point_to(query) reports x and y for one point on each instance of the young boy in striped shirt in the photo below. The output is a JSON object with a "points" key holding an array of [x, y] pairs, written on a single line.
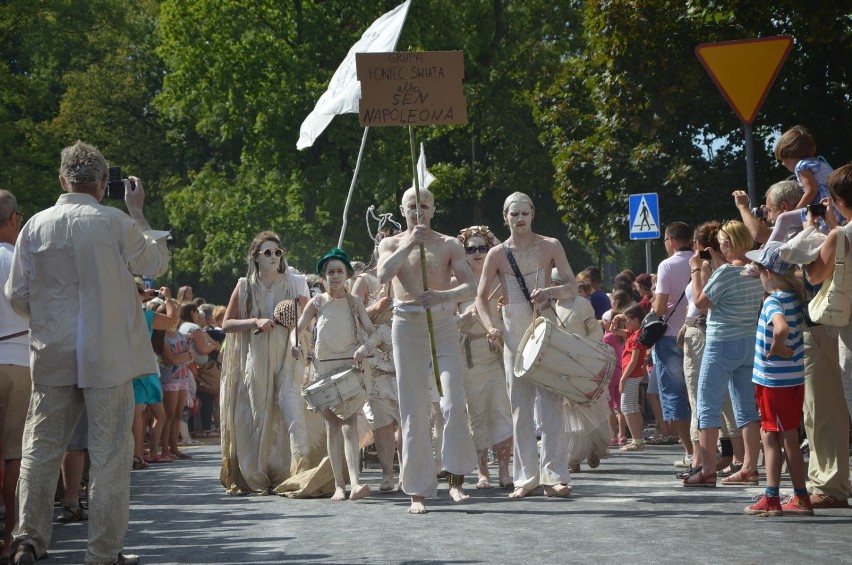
{"points": [[779, 377]]}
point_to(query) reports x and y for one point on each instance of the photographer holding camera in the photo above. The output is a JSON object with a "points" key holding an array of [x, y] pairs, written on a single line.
{"points": [[781, 197], [88, 341]]}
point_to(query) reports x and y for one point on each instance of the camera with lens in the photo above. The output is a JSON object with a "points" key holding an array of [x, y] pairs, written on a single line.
{"points": [[816, 209], [115, 184], [759, 212], [160, 295]]}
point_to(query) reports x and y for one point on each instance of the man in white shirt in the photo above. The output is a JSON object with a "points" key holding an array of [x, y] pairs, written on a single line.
{"points": [[88, 340], [15, 383], [669, 302]]}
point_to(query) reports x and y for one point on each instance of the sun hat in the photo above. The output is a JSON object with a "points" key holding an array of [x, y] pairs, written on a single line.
{"points": [[770, 258], [339, 255]]}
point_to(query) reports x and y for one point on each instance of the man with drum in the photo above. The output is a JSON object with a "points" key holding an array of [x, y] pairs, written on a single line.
{"points": [[400, 263], [523, 264]]}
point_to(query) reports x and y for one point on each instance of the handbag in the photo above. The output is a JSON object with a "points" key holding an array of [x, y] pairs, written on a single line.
{"points": [[654, 327], [831, 305]]}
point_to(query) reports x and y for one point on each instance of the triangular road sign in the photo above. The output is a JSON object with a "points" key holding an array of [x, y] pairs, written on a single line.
{"points": [[744, 70]]}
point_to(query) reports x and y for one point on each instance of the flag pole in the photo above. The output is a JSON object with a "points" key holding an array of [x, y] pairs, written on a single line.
{"points": [[434, 350], [352, 189]]}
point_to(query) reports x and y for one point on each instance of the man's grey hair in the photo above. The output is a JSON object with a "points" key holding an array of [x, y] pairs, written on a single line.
{"points": [[206, 310], [83, 167], [787, 191], [8, 205]]}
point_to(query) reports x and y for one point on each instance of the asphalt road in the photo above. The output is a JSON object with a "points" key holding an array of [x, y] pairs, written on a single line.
{"points": [[629, 510]]}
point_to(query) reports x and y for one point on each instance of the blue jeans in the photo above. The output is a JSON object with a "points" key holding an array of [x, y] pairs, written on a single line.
{"points": [[726, 366], [669, 366]]}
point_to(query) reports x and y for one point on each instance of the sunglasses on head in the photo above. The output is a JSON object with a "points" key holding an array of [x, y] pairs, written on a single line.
{"points": [[474, 249], [269, 252]]}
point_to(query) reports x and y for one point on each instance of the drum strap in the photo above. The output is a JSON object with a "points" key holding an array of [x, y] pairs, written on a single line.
{"points": [[511, 257]]}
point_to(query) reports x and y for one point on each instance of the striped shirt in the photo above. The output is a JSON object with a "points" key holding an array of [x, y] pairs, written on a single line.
{"points": [[776, 371], [735, 303]]}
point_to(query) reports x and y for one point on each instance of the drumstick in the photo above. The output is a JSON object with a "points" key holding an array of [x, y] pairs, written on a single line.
{"points": [[490, 296], [342, 359]]}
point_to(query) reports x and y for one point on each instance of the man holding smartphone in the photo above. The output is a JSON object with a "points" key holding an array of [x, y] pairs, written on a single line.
{"points": [[89, 339]]}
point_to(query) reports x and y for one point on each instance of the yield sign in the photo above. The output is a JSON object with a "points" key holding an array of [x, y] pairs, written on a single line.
{"points": [[744, 70]]}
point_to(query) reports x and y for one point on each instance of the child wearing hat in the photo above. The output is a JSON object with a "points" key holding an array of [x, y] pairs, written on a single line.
{"points": [[779, 377], [341, 321]]}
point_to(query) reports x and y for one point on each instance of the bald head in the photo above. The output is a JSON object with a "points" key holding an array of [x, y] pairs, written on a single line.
{"points": [[409, 196]]}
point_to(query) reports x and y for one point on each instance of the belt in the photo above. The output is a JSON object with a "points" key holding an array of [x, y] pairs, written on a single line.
{"points": [[699, 322]]}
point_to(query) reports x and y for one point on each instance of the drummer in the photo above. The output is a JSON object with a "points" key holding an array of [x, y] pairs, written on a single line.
{"points": [[523, 264], [340, 320]]}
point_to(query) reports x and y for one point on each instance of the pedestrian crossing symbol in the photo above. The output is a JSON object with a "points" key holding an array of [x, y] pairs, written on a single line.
{"points": [[644, 214]]}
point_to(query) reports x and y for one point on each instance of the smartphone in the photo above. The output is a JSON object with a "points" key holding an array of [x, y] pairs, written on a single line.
{"points": [[817, 209], [704, 255], [115, 186]]}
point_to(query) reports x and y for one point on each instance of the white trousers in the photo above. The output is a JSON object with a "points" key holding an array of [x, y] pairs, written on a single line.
{"points": [[53, 414], [527, 470], [413, 359]]}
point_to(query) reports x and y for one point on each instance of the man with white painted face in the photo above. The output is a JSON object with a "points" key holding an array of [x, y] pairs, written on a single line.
{"points": [[535, 256], [399, 263]]}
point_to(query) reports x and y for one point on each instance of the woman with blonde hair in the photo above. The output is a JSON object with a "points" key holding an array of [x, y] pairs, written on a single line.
{"points": [[733, 302]]}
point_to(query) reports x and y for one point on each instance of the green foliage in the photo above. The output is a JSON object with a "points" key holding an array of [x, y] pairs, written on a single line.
{"points": [[579, 104]]}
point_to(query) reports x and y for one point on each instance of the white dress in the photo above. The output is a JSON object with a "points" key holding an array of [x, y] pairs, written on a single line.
{"points": [[267, 434]]}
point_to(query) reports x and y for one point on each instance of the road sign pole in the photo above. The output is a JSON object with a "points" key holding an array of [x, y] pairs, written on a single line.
{"points": [[648, 256], [749, 150]]}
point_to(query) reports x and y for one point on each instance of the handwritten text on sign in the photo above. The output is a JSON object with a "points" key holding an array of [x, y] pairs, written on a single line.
{"points": [[411, 88]]}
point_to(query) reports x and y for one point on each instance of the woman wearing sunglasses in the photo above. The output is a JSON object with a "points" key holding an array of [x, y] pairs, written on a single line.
{"points": [[485, 380], [261, 381]]}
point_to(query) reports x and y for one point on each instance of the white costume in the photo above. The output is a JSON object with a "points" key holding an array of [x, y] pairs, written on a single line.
{"points": [[528, 472], [412, 358], [587, 426], [484, 386], [384, 399], [265, 424]]}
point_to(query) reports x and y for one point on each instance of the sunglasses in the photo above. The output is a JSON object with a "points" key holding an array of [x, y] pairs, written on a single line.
{"points": [[474, 249], [269, 252]]}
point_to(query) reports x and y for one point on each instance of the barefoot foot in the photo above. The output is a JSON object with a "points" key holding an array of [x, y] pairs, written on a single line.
{"points": [[458, 494], [483, 482], [387, 484], [417, 505], [360, 491], [559, 491], [521, 492], [339, 494]]}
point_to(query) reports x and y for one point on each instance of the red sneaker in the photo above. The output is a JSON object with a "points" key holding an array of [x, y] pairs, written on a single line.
{"points": [[766, 506], [798, 506]]}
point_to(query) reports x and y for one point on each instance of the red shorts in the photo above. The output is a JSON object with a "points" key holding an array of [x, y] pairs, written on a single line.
{"points": [[780, 407]]}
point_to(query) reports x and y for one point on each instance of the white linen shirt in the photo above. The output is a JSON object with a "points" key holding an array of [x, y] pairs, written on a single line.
{"points": [[71, 276], [13, 351]]}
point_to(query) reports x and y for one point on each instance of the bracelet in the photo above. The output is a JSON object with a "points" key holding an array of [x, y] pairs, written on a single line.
{"points": [[693, 270]]}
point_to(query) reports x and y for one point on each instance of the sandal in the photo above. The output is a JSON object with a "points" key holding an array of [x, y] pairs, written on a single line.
{"points": [[730, 470], [699, 479], [742, 477], [160, 459], [73, 514], [139, 463], [181, 455]]}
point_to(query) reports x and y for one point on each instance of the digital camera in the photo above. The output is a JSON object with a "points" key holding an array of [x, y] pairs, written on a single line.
{"points": [[115, 184]]}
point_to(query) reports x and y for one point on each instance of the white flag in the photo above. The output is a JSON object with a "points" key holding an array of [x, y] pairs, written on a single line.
{"points": [[344, 90], [423, 175]]}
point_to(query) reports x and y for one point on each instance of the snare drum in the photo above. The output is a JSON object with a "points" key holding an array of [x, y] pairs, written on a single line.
{"points": [[564, 362], [344, 392]]}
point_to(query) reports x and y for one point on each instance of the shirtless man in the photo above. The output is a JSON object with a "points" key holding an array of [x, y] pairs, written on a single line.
{"points": [[399, 263], [535, 256]]}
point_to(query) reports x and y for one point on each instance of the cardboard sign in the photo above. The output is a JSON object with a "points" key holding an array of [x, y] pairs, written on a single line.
{"points": [[411, 88]]}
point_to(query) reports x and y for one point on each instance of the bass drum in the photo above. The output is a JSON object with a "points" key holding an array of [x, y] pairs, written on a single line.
{"points": [[564, 362]]}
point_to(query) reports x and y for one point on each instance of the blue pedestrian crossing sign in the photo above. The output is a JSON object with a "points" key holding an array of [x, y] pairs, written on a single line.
{"points": [[644, 213]]}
